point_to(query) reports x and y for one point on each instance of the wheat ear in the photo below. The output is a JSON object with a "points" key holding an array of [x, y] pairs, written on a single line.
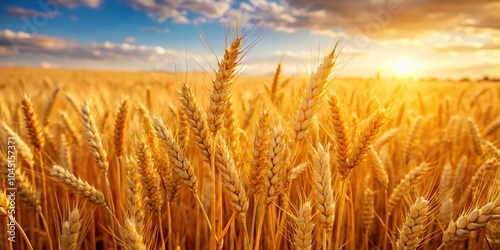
{"points": [[120, 126], [341, 140], [365, 137], [77, 185], [34, 131], [135, 202], [475, 220], [492, 127], [274, 171], [302, 238], [65, 154], [260, 154], [197, 122], [94, 139], [180, 162], [322, 185], [475, 136], [445, 182], [310, 102], [410, 178], [275, 84], [231, 180], [368, 208], [71, 230], [378, 167], [222, 85], [483, 174], [23, 149], [413, 226], [27, 191], [132, 234], [150, 179], [491, 150]]}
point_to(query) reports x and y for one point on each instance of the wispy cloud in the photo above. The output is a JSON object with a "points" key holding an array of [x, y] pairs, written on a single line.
{"points": [[27, 13], [467, 47], [65, 48], [178, 11], [154, 29], [129, 39], [384, 19], [75, 3]]}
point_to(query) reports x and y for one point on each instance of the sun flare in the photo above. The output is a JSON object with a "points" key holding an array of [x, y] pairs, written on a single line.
{"points": [[404, 67]]}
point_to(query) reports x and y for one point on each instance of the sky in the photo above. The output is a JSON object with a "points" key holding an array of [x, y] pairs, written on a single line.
{"points": [[417, 38]]}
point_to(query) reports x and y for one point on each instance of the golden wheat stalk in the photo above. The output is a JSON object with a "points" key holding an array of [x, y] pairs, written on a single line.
{"points": [[180, 162], [222, 83], [71, 231], [378, 167], [231, 180], [65, 154], [94, 139], [150, 179], [260, 153], [322, 185], [34, 130], [475, 220], [368, 208], [120, 126], [134, 193], [492, 127], [275, 169], [365, 137], [304, 225], [22, 148], [77, 185], [197, 121], [413, 226], [132, 234], [310, 102], [413, 176], [26, 190], [275, 84], [475, 136], [341, 140]]}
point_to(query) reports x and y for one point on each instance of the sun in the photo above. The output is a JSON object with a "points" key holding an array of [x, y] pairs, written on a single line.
{"points": [[404, 67]]}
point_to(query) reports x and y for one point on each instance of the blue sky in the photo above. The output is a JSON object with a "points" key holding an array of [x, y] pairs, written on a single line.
{"points": [[396, 37]]}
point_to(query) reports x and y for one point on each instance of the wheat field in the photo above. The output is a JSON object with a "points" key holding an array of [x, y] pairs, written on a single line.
{"points": [[218, 160]]}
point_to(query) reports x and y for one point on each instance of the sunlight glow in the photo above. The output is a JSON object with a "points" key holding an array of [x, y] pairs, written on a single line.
{"points": [[404, 67]]}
